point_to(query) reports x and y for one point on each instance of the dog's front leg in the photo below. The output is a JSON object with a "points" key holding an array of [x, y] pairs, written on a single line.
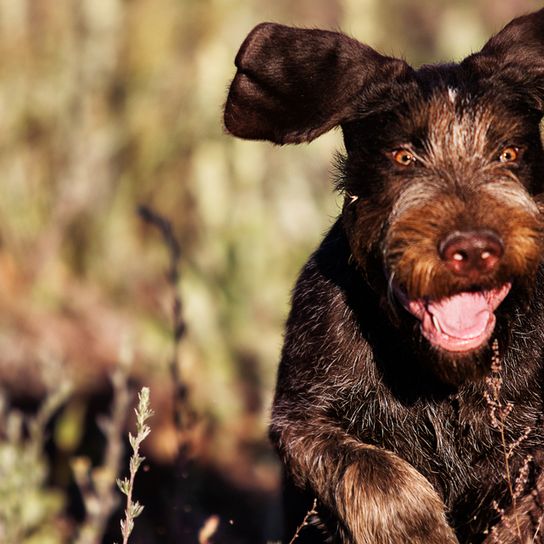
{"points": [[376, 497]]}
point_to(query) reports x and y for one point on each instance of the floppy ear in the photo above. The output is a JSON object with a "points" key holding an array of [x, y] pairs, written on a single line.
{"points": [[515, 56], [293, 84]]}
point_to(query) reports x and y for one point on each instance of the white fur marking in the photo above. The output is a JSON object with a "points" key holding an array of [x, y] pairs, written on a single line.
{"points": [[511, 193]]}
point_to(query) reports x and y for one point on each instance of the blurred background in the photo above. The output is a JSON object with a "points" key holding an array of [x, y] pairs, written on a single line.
{"points": [[141, 245]]}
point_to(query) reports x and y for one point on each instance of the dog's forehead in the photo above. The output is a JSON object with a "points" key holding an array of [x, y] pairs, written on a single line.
{"points": [[443, 109], [458, 119], [448, 113]]}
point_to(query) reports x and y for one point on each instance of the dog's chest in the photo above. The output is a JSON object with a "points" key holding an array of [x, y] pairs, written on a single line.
{"points": [[454, 443]]}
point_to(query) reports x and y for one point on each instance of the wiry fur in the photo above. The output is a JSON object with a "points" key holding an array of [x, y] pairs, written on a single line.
{"points": [[392, 434]]}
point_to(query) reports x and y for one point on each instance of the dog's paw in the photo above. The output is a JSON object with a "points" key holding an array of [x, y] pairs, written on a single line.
{"points": [[387, 501]]}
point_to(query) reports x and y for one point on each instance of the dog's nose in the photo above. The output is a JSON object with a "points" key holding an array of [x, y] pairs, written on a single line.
{"points": [[471, 253]]}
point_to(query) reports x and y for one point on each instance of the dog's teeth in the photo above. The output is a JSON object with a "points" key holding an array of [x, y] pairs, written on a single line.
{"points": [[436, 324]]}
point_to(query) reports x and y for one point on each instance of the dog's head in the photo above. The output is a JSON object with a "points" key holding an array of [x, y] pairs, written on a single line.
{"points": [[442, 163]]}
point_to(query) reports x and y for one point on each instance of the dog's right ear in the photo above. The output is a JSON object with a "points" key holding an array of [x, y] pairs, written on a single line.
{"points": [[293, 84]]}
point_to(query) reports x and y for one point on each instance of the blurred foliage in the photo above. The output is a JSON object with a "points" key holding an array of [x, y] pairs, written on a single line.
{"points": [[27, 507], [29, 510], [109, 104]]}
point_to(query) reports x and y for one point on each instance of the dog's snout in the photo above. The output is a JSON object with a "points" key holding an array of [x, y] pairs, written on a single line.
{"points": [[471, 253]]}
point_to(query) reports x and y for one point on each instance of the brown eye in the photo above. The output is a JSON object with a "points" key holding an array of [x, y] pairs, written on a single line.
{"points": [[509, 154], [404, 157]]}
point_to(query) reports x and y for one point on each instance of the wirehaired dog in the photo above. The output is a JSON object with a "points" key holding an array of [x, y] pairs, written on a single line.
{"points": [[387, 409]]}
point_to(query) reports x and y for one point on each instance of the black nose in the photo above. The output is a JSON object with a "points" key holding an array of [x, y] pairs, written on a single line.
{"points": [[471, 253]]}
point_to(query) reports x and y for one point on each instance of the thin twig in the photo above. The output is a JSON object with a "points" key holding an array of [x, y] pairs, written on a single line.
{"points": [[499, 412], [164, 226], [538, 527], [312, 512], [183, 415], [134, 508], [97, 485]]}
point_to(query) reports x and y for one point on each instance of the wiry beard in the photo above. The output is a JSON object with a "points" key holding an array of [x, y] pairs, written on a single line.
{"points": [[458, 368]]}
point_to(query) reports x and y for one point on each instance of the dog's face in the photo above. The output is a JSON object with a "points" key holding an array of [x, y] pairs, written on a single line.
{"points": [[441, 170], [440, 206]]}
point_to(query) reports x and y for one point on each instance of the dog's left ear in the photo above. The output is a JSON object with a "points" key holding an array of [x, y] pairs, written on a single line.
{"points": [[515, 57], [294, 84]]}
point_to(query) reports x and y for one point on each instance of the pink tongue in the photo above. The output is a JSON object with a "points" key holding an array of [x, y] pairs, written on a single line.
{"points": [[462, 316]]}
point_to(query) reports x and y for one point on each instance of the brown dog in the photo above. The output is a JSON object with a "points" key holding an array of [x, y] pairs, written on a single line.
{"points": [[388, 410]]}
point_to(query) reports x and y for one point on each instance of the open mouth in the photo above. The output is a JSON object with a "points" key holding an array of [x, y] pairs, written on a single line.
{"points": [[459, 323]]}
